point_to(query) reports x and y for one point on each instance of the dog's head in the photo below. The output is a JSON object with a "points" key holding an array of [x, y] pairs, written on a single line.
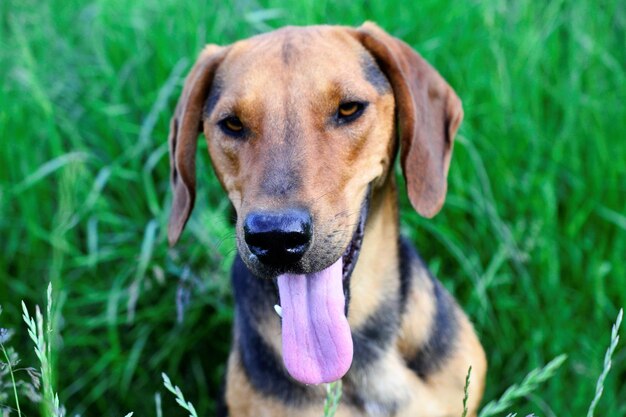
{"points": [[301, 124]]}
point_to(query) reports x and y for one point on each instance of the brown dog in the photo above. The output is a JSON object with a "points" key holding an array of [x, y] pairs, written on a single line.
{"points": [[300, 126]]}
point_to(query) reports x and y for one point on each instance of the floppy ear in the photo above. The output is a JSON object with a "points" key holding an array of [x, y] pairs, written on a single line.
{"points": [[185, 126], [429, 114]]}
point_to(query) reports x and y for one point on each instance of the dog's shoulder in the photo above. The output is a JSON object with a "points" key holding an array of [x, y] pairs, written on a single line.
{"points": [[430, 328]]}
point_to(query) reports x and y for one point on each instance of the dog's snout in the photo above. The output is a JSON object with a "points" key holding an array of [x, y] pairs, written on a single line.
{"points": [[278, 238]]}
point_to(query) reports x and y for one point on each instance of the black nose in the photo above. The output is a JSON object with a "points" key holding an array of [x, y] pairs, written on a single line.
{"points": [[278, 238]]}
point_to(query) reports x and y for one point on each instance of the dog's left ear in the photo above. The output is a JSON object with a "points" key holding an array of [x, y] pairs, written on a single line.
{"points": [[429, 114], [185, 126]]}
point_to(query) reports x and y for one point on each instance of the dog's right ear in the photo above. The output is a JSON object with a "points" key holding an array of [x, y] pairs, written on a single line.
{"points": [[185, 126]]}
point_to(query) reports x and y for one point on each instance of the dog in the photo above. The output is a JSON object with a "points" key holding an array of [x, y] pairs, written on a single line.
{"points": [[303, 125]]}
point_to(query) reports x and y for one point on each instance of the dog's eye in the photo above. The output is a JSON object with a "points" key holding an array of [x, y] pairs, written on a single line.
{"points": [[349, 111], [232, 126]]}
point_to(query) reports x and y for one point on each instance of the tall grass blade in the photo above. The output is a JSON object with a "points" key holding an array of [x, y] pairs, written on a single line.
{"points": [[43, 350], [333, 397], [466, 391], [530, 383], [607, 363], [180, 398]]}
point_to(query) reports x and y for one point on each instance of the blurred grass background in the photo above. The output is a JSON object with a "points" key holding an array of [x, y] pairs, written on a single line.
{"points": [[531, 241]]}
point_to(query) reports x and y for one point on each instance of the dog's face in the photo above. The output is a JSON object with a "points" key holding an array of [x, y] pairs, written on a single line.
{"points": [[299, 123], [300, 126]]}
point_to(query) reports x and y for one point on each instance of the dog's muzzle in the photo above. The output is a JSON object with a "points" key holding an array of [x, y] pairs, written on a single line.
{"points": [[316, 337]]}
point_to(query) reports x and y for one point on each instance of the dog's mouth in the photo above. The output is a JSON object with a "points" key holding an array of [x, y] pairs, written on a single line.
{"points": [[351, 254], [316, 336]]}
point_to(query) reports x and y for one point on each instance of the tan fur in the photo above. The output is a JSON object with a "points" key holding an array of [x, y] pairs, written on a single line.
{"points": [[285, 101], [381, 237]]}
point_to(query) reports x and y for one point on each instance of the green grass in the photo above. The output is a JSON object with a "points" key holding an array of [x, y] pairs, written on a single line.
{"points": [[530, 383], [334, 391], [531, 241], [180, 398]]}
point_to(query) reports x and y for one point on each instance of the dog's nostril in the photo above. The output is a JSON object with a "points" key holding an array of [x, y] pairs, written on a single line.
{"points": [[254, 239], [293, 240], [278, 238]]}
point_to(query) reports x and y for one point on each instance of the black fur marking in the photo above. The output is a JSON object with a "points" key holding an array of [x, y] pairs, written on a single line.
{"points": [[292, 130], [374, 75], [346, 295], [255, 297], [407, 258], [351, 256], [433, 354], [375, 336], [287, 51], [214, 95]]}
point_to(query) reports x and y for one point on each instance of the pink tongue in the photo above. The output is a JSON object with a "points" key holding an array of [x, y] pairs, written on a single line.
{"points": [[317, 343]]}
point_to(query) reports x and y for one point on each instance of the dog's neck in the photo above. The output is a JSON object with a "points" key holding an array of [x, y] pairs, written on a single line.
{"points": [[379, 286], [375, 278]]}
